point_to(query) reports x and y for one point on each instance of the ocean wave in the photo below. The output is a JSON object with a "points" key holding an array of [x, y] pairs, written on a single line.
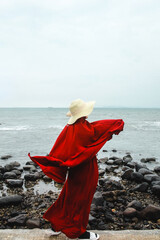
{"points": [[15, 128], [146, 125], [56, 126]]}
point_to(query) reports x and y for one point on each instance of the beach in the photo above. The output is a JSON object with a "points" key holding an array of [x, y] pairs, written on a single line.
{"points": [[128, 190], [127, 195]]}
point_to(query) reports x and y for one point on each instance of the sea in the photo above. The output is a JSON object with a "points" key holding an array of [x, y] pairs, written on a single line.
{"points": [[34, 130]]}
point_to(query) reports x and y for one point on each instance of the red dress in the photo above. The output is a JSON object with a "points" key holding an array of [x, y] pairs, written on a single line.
{"points": [[75, 152]]}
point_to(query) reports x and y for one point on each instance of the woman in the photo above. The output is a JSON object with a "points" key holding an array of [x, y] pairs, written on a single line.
{"points": [[74, 155]]}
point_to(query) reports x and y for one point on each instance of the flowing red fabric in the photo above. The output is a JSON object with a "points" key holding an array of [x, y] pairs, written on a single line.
{"points": [[75, 152]]}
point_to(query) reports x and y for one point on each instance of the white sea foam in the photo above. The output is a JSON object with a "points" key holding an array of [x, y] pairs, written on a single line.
{"points": [[56, 126], [147, 125], [15, 128]]}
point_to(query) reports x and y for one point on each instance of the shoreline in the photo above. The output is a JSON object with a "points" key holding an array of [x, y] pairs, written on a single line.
{"points": [[127, 195]]}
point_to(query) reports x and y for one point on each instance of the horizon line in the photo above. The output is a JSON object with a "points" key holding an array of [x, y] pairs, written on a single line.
{"points": [[94, 107]]}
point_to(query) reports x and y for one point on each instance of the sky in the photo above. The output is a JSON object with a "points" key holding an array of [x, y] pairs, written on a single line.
{"points": [[55, 51]]}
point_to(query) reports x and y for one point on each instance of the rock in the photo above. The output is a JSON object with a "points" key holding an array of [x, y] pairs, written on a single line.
{"points": [[136, 205], [127, 156], [151, 177], [2, 169], [103, 160], [18, 220], [104, 150], [101, 172], [110, 162], [17, 172], [141, 187], [33, 223], [144, 171], [31, 177], [136, 176], [47, 179], [108, 217], [98, 199], [29, 168], [114, 150], [151, 212], [9, 175], [14, 183], [146, 160], [127, 174], [139, 166], [118, 161], [6, 156], [157, 169], [155, 183], [130, 212], [92, 219], [156, 190], [131, 164], [111, 185], [113, 158], [15, 164], [102, 226], [14, 199], [1, 176], [30, 163], [8, 167]]}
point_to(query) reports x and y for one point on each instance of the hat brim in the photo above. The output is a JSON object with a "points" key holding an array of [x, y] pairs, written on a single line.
{"points": [[85, 112]]}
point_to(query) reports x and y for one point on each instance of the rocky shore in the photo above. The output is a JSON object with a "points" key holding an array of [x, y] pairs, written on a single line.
{"points": [[127, 195]]}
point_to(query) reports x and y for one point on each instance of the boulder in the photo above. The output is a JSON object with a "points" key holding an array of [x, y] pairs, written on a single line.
{"points": [[8, 167], [110, 162], [113, 158], [151, 212], [144, 171], [103, 160], [14, 182], [131, 164], [9, 175], [139, 166], [33, 223], [156, 190], [31, 177], [136, 205], [19, 220], [1, 176], [118, 161], [6, 156], [136, 176], [114, 150], [127, 174], [13, 199], [29, 168], [151, 177], [130, 212], [141, 187], [2, 169], [146, 160], [157, 169], [108, 217], [47, 179], [15, 164], [111, 185], [17, 172]]}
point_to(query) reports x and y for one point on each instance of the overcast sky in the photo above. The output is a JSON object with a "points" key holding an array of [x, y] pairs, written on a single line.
{"points": [[55, 51]]}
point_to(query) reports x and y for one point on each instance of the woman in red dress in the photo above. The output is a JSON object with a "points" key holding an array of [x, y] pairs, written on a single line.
{"points": [[72, 161]]}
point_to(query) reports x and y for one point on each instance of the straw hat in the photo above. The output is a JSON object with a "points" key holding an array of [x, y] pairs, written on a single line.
{"points": [[78, 108]]}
